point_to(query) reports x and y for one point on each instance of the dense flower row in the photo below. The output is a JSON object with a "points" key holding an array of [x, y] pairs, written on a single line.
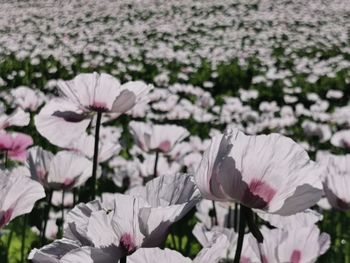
{"points": [[270, 175]]}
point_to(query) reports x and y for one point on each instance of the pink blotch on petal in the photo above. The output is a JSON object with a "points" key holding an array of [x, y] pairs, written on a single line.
{"points": [[41, 173], [98, 106], [68, 182], [262, 189], [264, 259], [295, 257], [20, 143], [164, 146], [6, 217], [127, 242]]}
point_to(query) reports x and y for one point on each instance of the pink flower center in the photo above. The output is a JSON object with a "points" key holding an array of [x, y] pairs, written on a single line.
{"points": [[264, 259], [127, 242], [295, 257], [262, 189], [68, 182], [5, 217], [41, 173], [98, 106], [164, 146]]}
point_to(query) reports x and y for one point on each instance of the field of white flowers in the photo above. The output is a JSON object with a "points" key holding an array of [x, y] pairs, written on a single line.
{"points": [[174, 131]]}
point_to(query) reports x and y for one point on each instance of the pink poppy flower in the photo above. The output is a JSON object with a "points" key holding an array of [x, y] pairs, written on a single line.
{"points": [[151, 137], [120, 226], [64, 170], [64, 119], [267, 172], [336, 181], [16, 118], [211, 253], [341, 139], [295, 245], [18, 194], [15, 145]]}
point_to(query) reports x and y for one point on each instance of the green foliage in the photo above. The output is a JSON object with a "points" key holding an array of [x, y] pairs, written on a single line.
{"points": [[12, 235]]}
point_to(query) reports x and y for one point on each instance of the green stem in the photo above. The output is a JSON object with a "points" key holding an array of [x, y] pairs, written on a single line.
{"points": [[95, 158], [173, 240], [252, 225], [6, 159], [240, 234], [74, 196], [9, 243], [23, 237], [62, 208], [235, 218], [215, 216], [229, 217], [155, 165]]}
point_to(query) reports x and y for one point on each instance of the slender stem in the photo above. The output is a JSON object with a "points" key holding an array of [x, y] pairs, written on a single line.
{"points": [[173, 240], [95, 158], [23, 236], [235, 217], [229, 217], [215, 214], [62, 209], [9, 243], [6, 158], [155, 165], [253, 226], [46, 216], [74, 196], [240, 234], [123, 259]]}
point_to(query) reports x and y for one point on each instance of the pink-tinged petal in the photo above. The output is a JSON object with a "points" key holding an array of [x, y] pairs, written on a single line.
{"points": [[51, 253], [337, 181], [107, 89], [5, 217], [16, 118], [98, 106], [99, 229], [22, 141], [127, 243], [214, 251], [68, 169], [262, 190], [155, 255], [19, 194], [296, 256], [131, 93], [61, 122], [19, 145], [269, 172], [165, 146], [124, 102], [81, 89], [302, 219], [91, 254], [301, 244], [6, 141], [157, 137], [68, 183]]}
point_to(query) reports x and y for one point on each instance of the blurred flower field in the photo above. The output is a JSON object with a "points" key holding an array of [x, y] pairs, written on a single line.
{"points": [[120, 120]]}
